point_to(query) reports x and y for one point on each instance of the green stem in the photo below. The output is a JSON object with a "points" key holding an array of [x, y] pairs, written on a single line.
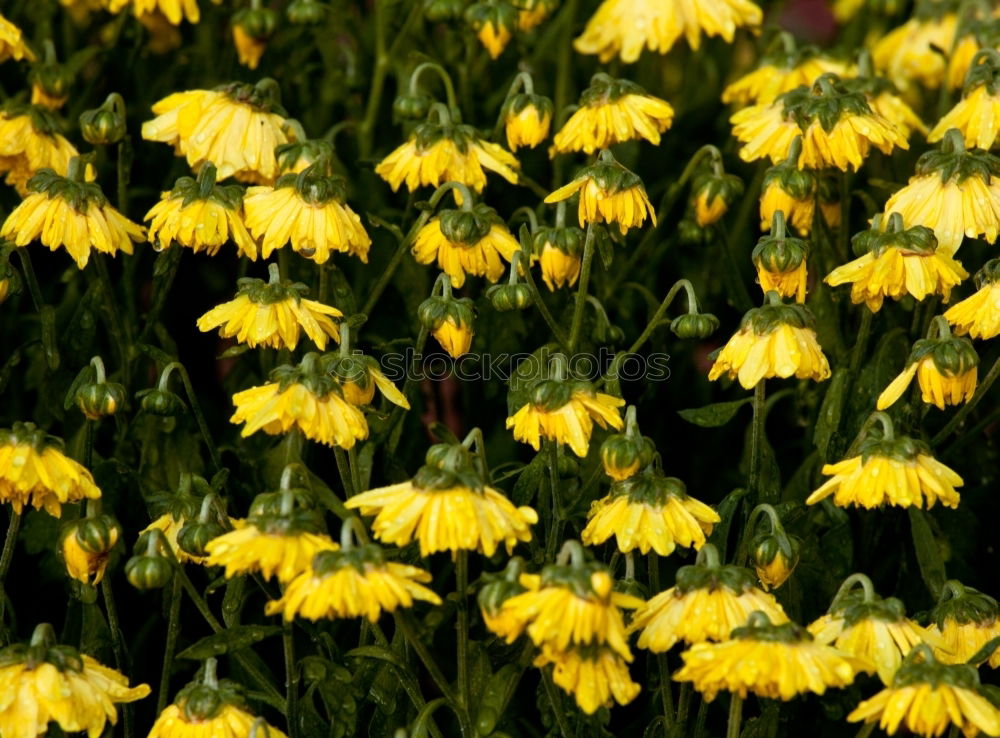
{"points": [[861, 343], [386, 276], [552, 539], [462, 590], [406, 628], [866, 730], [122, 165], [119, 335], [291, 681], [344, 469], [173, 629], [843, 235], [553, 695], [9, 544], [29, 277], [161, 288], [564, 75], [981, 390], [118, 646], [666, 695], [683, 707], [540, 304], [581, 292], [199, 417], [88, 444], [382, 62], [756, 441], [735, 716]]}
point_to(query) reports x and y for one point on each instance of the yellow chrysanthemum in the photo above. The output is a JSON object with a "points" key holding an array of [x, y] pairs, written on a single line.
{"points": [[249, 48], [979, 314], [898, 263], [33, 470], [559, 268], [609, 193], [63, 211], [773, 341], [771, 661], [790, 190], [454, 338], [85, 547], [595, 675], [272, 548], [708, 602], [781, 261], [894, 109], [768, 81], [964, 621], [649, 512], [201, 216], [526, 119], [946, 370], [625, 27], [308, 211], [42, 683], [469, 241], [325, 418], [353, 583], [229, 721], [30, 142], [12, 45], [612, 111], [960, 60], [910, 56], [174, 11], [926, 698], [231, 127], [977, 116], [564, 412], [448, 319], [170, 526], [272, 313]]}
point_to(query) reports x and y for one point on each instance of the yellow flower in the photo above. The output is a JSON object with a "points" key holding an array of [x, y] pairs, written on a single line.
{"points": [[439, 152], [272, 313], [781, 261], [303, 397], [964, 621], [249, 48], [354, 582], [494, 24], [897, 263], [41, 96], [162, 36], [309, 211], [174, 11], [64, 211], [780, 75], [447, 506], [894, 109], [558, 252], [358, 377], [467, 241], [564, 412], [41, 683], [531, 13], [595, 675], [85, 546], [526, 119], [201, 216], [771, 661], [790, 190], [708, 602], [233, 127], [976, 115], [33, 470], [12, 45], [625, 27], [889, 471], [837, 125], [229, 721], [979, 314], [910, 55], [170, 526], [449, 320], [649, 512], [609, 193], [774, 340], [612, 111], [273, 546], [713, 193], [30, 142], [927, 697], [946, 369]]}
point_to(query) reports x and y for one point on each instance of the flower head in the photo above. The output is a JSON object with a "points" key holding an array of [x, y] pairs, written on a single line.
{"points": [[609, 193], [67, 212], [200, 215], [963, 621], [85, 546], [12, 44], [469, 240], [45, 683], [612, 111], [977, 114], [790, 190], [713, 192], [946, 369], [771, 661], [173, 11], [493, 22], [358, 376], [35, 471], [595, 675], [272, 313], [979, 314], [781, 261], [783, 69], [897, 262], [558, 251], [774, 340], [707, 603], [527, 118], [252, 29], [910, 54], [449, 320]]}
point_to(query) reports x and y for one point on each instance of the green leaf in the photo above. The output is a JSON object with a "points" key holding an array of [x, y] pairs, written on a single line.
{"points": [[727, 509], [376, 652], [830, 411], [528, 481], [87, 375], [231, 639], [714, 415], [928, 552]]}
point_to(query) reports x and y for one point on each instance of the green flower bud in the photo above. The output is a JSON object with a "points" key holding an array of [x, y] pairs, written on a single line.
{"points": [[160, 402], [97, 535], [102, 126], [466, 226], [694, 325], [258, 23], [305, 12], [439, 11], [99, 399], [623, 455], [195, 535], [506, 297], [411, 107], [775, 558], [148, 571]]}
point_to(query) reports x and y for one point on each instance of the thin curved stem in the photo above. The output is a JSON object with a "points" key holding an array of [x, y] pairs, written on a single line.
{"points": [[581, 293], [170, 645], [735, 716], [757, 440]]}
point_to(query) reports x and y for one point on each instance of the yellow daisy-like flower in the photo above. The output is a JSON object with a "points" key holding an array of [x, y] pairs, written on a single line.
{"points": [[307, 210], [564, 412], [233, 126], [558, 252], [30, 142], [650, 512], [775, 554], [493, 24], [67, 212], [624, 28], [595, 675], [612, 111], [946, 369], [894, 109], [449, 320], [200, 215], [526, 118], [927, 697], [837, 125], [228, 721], [272, 313], [774, 340], [713, 193], [303, 397], [85, 547], [12, 44], [359, 376], [353, 582], [897, 262], [34, 470], [977, 114], [781, 261], [707, 603], [174, 11], [979, 314], [440, 151], [781, 74], [249, 48], [275, 546], [889, 471], [964, 621], [447, 506], [47, 683], [910, 55], [771, 661], [609, 193], [467, 241], [170, 525], [790, 190]]}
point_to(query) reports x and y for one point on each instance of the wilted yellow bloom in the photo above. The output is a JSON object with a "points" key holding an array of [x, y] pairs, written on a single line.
{"points": [[29, 142], [455, 338], [64, 211], [595, 675], [650, 512], [977, 116], [612, 111], [782, 75], [946, 370], [625, 27], [564, 412], [894, 109], [771, 661], [910, 56], [249, 48], [34, 470], [609, 193], [273, 548], [467, 241], [780, 261], [527, 118], [713, 193], [448, 319], [979, 314], [85, 547], [559, 268], [790, 190], [352, 583], [964, 621], [170, 526], [774, 340], [228, 721], [174, 11], [960, 60], [12, 45]]}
